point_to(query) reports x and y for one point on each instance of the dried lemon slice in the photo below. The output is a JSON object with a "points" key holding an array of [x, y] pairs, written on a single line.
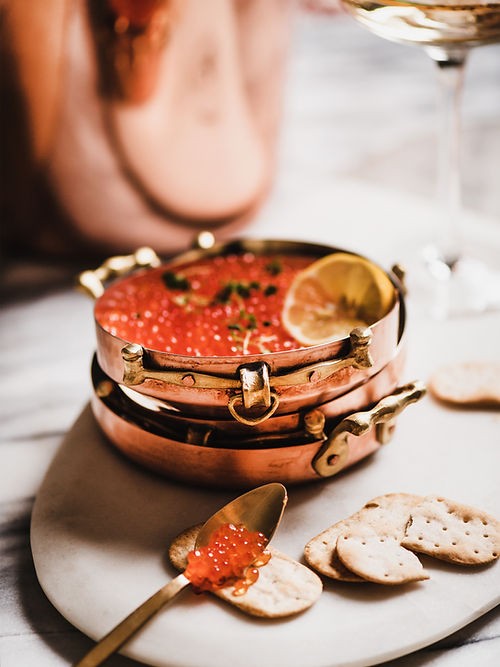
{"points": [[333, 295]]}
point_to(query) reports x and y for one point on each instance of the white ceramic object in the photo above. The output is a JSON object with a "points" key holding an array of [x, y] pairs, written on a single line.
{"points": [[101, 527]]}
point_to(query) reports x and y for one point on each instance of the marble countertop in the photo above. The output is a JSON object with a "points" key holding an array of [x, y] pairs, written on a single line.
{"points": [[359, 111]]}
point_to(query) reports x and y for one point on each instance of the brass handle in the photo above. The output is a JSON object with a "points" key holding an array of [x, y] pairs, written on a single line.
{"points": [[133, 622], [135, 373], [334, 452], [92, 282], [255, 392], [399, 272], [252, 421], [359, 357], [257, 387]]}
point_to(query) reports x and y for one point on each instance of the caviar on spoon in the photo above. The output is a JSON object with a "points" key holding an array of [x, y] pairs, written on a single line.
{"points": [[254, 515]]}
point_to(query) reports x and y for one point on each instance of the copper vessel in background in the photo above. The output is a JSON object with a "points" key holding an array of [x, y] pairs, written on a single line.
{"points": [[138, 122]]}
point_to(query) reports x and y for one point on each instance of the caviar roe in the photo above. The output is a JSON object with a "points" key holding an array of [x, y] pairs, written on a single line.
{"points": [[231, 558], [227, 305]]}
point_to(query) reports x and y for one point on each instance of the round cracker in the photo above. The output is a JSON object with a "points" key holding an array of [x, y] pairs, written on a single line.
{"points": [[321, 554], [284, 587], [453, 532], [379, 558], [387, 514], [472, 383]]}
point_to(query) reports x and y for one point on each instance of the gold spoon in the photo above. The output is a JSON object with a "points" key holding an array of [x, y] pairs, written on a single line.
{"points": [[258, 510]]}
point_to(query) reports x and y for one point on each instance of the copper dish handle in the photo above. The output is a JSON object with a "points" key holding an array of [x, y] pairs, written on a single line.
{"points": [[136, 371], [334, 453], [254, 387], [91, 282]]}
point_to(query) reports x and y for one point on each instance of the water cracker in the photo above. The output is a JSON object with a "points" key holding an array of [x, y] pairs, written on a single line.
{"points": [[473, 384], [386, 515], [453, 532], [284, 587], [379, 559]]}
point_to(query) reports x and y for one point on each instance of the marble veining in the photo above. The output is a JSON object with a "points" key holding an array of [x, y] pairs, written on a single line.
{"points": [[357, 108]]}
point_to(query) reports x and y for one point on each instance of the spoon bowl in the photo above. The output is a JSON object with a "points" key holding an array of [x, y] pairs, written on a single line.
{"points": [[258, 510]]}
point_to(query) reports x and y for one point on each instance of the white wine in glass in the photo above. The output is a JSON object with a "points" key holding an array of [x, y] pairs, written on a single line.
{"points": [[446, 30]]}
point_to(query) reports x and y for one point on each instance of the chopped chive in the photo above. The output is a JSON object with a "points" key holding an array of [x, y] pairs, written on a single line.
{"points": [[274, 267], [252, 321], [225, 293], [243, 290], [270, 290], [175, 281]]}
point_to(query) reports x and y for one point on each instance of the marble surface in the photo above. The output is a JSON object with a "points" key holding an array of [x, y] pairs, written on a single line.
{"points": [[359, 119], [99, 520]]}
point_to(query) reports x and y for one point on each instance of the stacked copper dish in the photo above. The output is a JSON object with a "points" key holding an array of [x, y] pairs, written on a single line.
{"points": [[241, 420]]}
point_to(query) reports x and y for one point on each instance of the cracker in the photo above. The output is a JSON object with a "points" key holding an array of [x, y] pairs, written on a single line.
{"points": [[473, 384], [379, 558], [387, 515], [321, 554], [453, 532], [284, 587]]}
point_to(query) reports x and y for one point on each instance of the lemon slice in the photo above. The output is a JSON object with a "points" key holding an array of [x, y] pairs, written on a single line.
{"points": [[334, 295]]}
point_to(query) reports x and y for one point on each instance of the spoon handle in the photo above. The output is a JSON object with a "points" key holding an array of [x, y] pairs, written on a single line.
{"points": [[133, 622]]}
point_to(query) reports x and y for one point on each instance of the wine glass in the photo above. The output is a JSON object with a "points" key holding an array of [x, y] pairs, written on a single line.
{"points": [[446, 30]]}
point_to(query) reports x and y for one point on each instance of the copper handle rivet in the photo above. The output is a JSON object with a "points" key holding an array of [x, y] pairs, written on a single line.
{"points": [[314, 422], [132, 352], [188, 380]]}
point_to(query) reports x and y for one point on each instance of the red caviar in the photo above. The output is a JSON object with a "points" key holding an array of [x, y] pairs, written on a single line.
{"points": [[230, 558], [226, 305]]}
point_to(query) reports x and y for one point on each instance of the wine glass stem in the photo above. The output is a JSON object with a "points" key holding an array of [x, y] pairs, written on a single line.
{"points": [[450, 85]]}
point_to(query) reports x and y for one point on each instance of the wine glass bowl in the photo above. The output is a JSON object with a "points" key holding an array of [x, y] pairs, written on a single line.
{"points": [[443, 25]]}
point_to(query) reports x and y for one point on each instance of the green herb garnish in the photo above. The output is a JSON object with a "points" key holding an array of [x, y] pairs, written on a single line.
{"points": [[239, 288], [252, 321], [175, 281], [242, 290], [274, 267]]}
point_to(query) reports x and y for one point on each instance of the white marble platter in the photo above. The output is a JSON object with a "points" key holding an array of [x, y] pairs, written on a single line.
{"points": [[101, 526]]}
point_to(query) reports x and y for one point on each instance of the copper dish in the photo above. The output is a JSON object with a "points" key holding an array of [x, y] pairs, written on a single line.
{"points": [[308, 446], [250, 388], [294, 416]]}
